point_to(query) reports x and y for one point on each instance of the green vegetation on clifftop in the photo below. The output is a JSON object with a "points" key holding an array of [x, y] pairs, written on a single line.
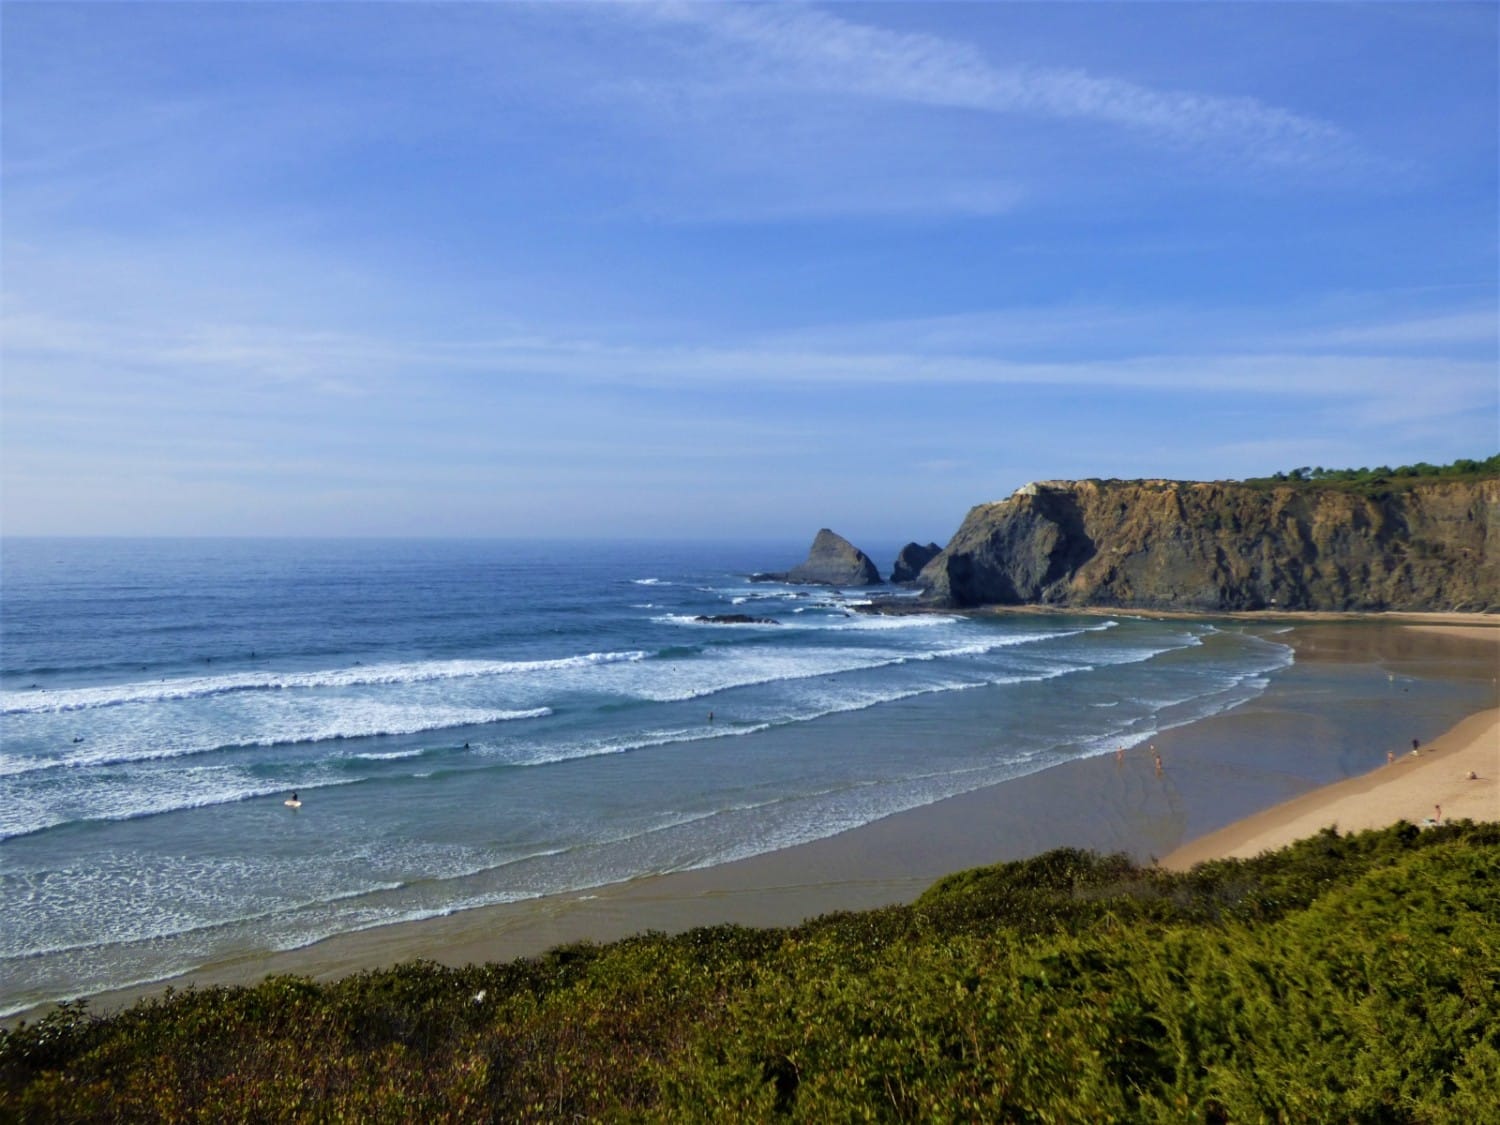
{"points": [[1352, 978], [1369, 481]]}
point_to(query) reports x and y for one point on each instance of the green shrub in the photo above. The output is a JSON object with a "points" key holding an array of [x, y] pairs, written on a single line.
{"points": [[1344, 978], [1375, 482]]}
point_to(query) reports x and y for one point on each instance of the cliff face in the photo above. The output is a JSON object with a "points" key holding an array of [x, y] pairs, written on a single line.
{"points": [[912, 558], [1224, 546]]}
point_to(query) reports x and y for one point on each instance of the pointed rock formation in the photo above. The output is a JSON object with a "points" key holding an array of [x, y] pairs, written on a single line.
{"points": [[832, 561]]}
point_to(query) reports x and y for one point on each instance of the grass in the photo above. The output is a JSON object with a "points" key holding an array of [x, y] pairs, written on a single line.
{"points": [[1346, 978]]}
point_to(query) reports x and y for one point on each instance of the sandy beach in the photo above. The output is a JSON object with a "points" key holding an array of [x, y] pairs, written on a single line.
{"points": [[1454, 777], [1310, 752]]}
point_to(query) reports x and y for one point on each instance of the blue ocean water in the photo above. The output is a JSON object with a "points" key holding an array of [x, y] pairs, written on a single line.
{"points": [[478, 722]]}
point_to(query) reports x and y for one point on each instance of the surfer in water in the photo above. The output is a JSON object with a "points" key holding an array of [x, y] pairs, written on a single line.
{"points": [[293, 802]]}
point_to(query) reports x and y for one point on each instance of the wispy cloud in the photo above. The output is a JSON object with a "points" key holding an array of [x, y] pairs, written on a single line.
{"points": [[1478, 326], [466, 246], [267, 359], [794, 46]]}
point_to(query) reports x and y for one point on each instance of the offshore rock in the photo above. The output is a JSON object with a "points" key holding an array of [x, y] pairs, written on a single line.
{"points": [[912, 558], [832, 561], [734, 619], [1208, 546]]}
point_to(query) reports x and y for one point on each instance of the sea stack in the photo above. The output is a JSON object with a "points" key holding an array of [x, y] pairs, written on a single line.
{"points": [[834, 561], [912, 559]]}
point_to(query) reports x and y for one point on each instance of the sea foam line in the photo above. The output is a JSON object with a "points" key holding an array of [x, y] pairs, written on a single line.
{"points": [[175, 803], [807, 664], [204, 927], [79, 699], [449, 720]]}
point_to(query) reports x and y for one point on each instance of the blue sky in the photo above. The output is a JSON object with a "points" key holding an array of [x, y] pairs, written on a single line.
{"points": [[728, 270]]}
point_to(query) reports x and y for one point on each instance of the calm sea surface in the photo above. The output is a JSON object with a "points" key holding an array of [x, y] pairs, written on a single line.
{"points": [[477, 722]]}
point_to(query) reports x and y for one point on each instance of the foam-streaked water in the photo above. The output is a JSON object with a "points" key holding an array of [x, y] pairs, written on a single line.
{"points": [[476, 722]]}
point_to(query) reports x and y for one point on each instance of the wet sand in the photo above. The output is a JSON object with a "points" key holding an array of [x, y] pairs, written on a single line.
{"points": [[1317, 738]]}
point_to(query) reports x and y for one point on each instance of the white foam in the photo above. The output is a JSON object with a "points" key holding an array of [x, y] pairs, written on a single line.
{"points": [[332, 721], [692, 621], [198, 687], [717, 670], [131, 799], [876, 622], [808, 707], [643, 740], [759, 593], [129, 926]]}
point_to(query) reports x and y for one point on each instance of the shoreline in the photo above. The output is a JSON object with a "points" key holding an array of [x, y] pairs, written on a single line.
{"points": [[1217, 780], [1416, 618], [1417, 787]]}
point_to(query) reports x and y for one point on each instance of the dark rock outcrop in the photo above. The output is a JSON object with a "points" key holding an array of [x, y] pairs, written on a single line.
{"points": [[734, 619], [912, 558], [832, 561], [1224, 546]]}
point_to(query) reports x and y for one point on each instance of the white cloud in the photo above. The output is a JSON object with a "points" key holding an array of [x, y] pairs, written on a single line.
{"points": [[783, 46], [1469, 326], [244, 360]]}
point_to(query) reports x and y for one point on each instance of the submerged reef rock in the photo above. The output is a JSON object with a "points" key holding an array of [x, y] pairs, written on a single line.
{"points": [[832, 561], [912, 558], [734, 619], [1224, 546]]}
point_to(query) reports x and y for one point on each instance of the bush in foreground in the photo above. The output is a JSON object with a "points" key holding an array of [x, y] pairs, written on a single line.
{"points": [[1352, 978]]}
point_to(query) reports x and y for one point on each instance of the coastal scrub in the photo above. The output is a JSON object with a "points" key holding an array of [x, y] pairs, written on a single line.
{"points": [[1343, 978]]}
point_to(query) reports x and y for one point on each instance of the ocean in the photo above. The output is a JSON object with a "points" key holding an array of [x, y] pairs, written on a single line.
{"points": [[473, 722]]}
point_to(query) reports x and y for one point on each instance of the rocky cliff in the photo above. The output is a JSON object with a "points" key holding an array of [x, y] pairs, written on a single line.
{"points": [[1225, 546], [911, 559]]}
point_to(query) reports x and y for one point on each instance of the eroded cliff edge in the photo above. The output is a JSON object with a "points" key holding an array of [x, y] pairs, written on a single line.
{"points": [[1208, 546]]}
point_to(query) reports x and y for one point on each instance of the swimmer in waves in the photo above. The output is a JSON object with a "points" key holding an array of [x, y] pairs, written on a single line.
{"points": [[292, 802]]}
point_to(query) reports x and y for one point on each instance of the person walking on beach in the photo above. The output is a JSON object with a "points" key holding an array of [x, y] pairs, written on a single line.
{"points": [[1157, 756]]}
